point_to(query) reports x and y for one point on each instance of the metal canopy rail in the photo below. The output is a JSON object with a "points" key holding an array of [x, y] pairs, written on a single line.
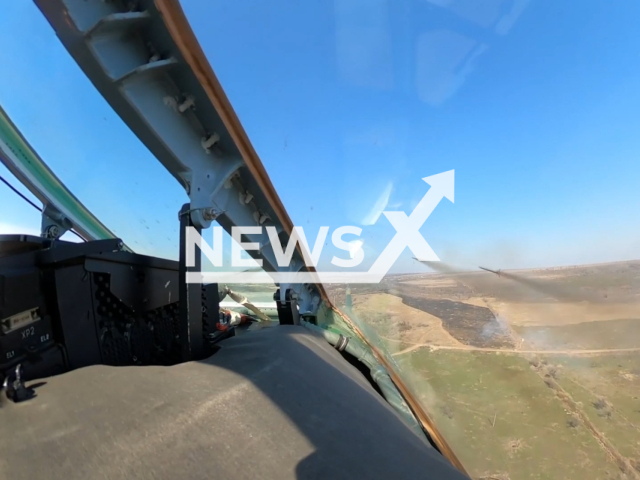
{"points": [[61, 209]]}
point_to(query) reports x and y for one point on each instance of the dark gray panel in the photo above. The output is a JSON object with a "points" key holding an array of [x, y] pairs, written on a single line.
{"points": [[278, 403]]}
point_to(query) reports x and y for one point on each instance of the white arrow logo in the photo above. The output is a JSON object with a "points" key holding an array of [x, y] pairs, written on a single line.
{"points": [[408, 228]]}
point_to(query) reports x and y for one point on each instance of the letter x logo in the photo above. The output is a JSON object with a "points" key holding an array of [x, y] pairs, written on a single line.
{"points": [[408, 227]]}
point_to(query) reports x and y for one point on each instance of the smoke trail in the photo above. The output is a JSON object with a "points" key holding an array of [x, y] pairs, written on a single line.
{"points": [[548, 288], [552, 289], [441, 267]]}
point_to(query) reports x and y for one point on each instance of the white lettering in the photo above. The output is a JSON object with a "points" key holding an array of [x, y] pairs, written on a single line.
{"points": [[214, 254], [283, 256], [357, 255], [237, 246]]}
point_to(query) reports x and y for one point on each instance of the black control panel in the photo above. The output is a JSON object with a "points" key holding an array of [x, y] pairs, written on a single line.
{"points": [[67, 305], [25, 323]]}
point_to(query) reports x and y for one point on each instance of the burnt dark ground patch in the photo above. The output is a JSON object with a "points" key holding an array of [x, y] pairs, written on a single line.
{"points": [[469, 324]]}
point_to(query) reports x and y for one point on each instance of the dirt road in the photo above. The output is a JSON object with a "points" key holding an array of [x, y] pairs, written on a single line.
{"points": [[417, 346]]}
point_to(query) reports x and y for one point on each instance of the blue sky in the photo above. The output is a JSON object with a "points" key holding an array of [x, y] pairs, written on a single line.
{"points": [[349, 103]]}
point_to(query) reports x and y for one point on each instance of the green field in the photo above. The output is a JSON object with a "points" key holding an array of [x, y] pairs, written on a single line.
{"points": [[608, 388], [528, 375], [501, 417]]}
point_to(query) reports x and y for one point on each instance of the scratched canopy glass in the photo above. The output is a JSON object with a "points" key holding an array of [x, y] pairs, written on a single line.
{"points": [[533, 373], [530, 370]]}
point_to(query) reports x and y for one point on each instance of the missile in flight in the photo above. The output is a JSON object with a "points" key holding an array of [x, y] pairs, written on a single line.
{"points": [[497, 272]]}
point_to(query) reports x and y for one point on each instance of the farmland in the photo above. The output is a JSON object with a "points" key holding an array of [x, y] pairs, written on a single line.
{"points": [[530, 374]]}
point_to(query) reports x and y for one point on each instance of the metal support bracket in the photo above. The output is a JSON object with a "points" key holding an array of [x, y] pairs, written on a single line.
{"points": [[191, 329], [54, 223], [287, 306]]}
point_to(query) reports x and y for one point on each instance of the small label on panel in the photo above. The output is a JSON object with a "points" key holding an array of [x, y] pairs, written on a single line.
{"points": [[19, 320]]}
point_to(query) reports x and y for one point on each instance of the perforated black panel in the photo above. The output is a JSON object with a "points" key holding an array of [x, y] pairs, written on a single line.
{"points": [[134, 338]]}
